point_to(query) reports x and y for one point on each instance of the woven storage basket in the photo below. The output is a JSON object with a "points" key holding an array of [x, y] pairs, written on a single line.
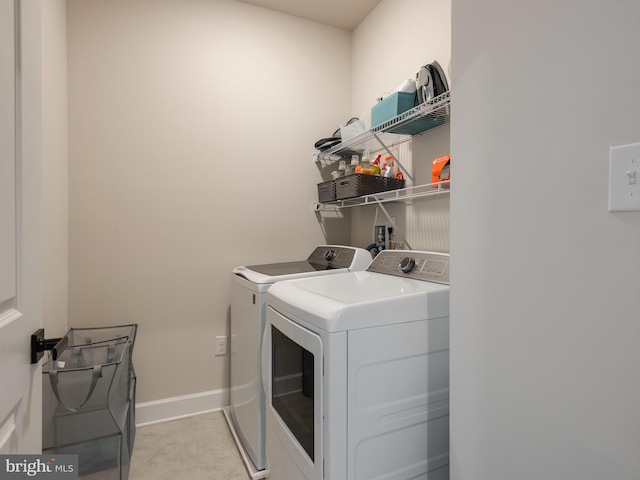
{"points": [[360, 184]]}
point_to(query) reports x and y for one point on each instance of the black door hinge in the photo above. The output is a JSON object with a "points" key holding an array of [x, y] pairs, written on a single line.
{"points": [[39, 344]]}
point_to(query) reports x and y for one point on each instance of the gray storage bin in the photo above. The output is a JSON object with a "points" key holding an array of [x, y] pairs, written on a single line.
{"points": [[327, 191], [89, 401]]}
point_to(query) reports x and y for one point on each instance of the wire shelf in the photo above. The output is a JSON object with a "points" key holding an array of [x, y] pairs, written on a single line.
{"points": [[395, 131], [400, 195]]}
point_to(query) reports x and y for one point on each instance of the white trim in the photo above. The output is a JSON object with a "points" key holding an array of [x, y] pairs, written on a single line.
{"points": [[9, 316], [8, 437], [174, 408]]}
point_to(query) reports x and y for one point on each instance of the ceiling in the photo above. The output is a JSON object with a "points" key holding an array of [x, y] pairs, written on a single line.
{"points": [[345, 14]]}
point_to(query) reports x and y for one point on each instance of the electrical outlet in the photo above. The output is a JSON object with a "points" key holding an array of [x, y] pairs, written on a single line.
{"points": [[381, 236], [221, 345]]}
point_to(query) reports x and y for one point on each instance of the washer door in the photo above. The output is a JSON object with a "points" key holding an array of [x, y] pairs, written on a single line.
{"points": [[292, 377]]}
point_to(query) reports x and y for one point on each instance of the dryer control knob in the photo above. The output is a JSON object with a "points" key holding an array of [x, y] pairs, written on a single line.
{"points": [[407, 264], [329, 255]]}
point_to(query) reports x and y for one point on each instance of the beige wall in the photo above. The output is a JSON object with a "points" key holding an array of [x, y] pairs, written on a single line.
{"points": [[54, 168], [191, 127], [389, 47], [545, 282]]}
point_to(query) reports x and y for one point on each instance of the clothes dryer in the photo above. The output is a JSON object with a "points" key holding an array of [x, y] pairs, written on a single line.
{"points": [[249, 285], [356, 372]]}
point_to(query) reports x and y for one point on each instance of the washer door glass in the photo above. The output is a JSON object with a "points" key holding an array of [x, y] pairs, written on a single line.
{"points": [[292, 388]]}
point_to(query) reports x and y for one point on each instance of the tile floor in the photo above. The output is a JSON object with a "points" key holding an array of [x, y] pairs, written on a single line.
{"points": [[194, 448]]}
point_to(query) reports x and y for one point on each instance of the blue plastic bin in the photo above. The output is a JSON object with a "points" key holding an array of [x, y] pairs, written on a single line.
{"points": [[393, 105]]}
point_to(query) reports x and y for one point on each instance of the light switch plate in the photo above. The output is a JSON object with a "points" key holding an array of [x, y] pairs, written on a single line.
{"points": [[624, 178]]}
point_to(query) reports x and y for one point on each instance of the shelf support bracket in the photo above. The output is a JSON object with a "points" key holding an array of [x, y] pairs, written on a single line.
{"points": [[404, 170], [391, 222]]}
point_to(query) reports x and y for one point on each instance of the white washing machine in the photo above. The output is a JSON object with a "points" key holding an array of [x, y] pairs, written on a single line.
{"points": [[356, 372], [246, 413]]}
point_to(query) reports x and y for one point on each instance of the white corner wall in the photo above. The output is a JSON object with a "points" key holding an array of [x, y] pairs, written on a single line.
{"points": [[191, 127], [389, 47], [55, 173], [545, 283]]}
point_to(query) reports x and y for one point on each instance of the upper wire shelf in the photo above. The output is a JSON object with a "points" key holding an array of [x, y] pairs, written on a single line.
{"points": [[399, 129]]}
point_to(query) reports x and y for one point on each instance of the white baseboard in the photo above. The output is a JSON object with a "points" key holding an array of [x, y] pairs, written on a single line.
{"points": [[173, 408]]}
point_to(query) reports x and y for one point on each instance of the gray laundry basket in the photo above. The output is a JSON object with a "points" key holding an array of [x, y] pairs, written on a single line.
{"points": [[89, 401]]}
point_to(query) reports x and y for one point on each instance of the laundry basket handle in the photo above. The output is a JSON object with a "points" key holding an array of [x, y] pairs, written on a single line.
{"points": [[96, 374]]}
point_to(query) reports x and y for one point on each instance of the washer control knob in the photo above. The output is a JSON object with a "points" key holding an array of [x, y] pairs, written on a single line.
{"points": [[407, 264], [329, 255]]}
